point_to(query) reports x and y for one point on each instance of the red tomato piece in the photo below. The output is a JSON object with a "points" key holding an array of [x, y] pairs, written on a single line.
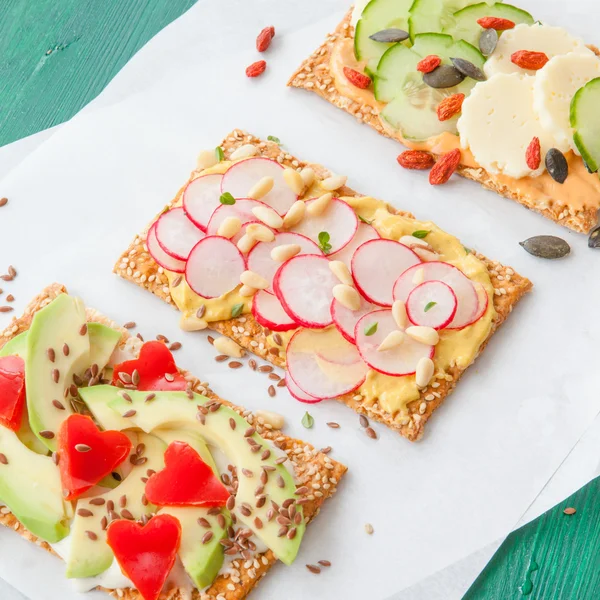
{"points": [[186, 480], [156, 369], [12, 391], [146, 554], [87, 454]]}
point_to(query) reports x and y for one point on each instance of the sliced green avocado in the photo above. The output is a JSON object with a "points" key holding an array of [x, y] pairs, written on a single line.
{"points": [[103, 341], [90, 557], [16, 347], [96, 399], [58, 331], [30, 486], [174, 409]]}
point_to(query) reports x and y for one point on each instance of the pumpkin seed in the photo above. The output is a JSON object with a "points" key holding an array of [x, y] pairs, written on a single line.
{"points": [[445, 76], [390, 35], [557, 166], [546, 246], [468, 69], [488, 40], [594, 239]]}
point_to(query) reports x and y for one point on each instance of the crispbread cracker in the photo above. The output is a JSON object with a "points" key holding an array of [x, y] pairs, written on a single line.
{"points": [[313, 468], [314, 75], [137, 265]]}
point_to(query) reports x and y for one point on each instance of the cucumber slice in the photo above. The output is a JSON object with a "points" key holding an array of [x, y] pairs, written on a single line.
{"points": [[464, 23], [585, 121], [378, 15]]}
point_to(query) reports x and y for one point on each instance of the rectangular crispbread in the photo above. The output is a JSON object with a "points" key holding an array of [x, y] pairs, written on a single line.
{"points": [[314, 75], [312, 469], [137, 265]]}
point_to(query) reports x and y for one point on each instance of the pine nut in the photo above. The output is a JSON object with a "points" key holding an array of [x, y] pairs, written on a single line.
{"points": [[294, 215], [206, 159], [425, 335], [347, 296], [411, 241], [245, 151], [268, 216], [392, 339], [335, 182], [419, 277], [316, 207], [308, 176], [225, 345], [285, 252], [294, 181], [425, 254], [247, 291], [424, 373], [399, 314], [341, 271], [254, 280], [246, 243], [260, 233], [274, 419], [229, 227], [191, 323], [262, 188]]}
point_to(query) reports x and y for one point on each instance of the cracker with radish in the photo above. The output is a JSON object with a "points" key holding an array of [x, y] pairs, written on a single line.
{"points": [[476, 88], [358, 302], [110, 458]]}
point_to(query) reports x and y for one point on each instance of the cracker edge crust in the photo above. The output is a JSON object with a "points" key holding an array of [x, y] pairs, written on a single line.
{"points": [[307, 470]]}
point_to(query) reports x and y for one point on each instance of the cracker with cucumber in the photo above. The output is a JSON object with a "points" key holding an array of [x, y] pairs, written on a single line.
{"points": [[477, 88]]}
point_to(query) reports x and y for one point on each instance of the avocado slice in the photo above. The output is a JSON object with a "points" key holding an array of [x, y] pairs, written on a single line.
{"points": [[103, 341], [57, 331], [172, 409], [96, 399], [16, 347], [30, 486], [90, 557]]}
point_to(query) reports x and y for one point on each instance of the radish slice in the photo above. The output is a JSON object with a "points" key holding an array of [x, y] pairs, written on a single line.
{"points": [[267, 310], [304, 286], [243, 175], [483, 298], [176, 234], [160, 256], [339, 220], [431, 304], [201, 199], [377, 264], [242, 209], [345, 319], [466, 296], [297, 393], [323, 364], [214, 267], [260, 261], [398, 361], [363, 234]]}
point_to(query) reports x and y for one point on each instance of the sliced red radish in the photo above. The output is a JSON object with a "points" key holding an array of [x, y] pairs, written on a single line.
{"points": [[338, 220], [267, 310], [260, 261], [323, 364], [214, 267], [242, 176], [398, 361], [466, 296], [431, 304], [297, 393], [363, 234], [484, 300], [304, 287], [242, 209], [345, 319], [201, 199], [377, 264], [160, 256], [176, 234]]}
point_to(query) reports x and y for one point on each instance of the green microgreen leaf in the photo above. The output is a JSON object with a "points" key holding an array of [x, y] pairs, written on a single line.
{"points": [[272, 138], [219, 153], [429, 306], [420, 234], [371, 329], [226, 198], [364, 220], [324, 244], [236, 310], [467, 250], [307, 420]]}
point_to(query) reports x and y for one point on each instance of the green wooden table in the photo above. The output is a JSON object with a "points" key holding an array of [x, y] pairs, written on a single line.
{"points": [[57, 55]]}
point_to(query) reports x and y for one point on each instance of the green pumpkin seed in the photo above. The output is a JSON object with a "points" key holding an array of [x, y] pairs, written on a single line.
{"points": [[594, 239], [468, 69], [557, 166], [390, 35], [445, 76], [488, 40], [546, 246]]}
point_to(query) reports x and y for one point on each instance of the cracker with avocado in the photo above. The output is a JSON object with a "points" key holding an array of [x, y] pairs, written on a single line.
{"points": [[137, 266], [311, 466], [315, 75]]}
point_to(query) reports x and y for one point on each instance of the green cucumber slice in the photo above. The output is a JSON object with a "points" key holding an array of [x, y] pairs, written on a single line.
{"points": [[586, 123], [464, 23], [378, 15]]}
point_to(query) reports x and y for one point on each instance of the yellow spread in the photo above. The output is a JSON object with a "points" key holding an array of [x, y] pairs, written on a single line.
{"points": [[392, 394]]}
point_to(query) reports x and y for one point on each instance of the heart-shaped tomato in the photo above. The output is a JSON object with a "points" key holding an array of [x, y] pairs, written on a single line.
{"points": [[186, 480], [155, 370], [146, 554], [87, 454], [12, 391]]}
